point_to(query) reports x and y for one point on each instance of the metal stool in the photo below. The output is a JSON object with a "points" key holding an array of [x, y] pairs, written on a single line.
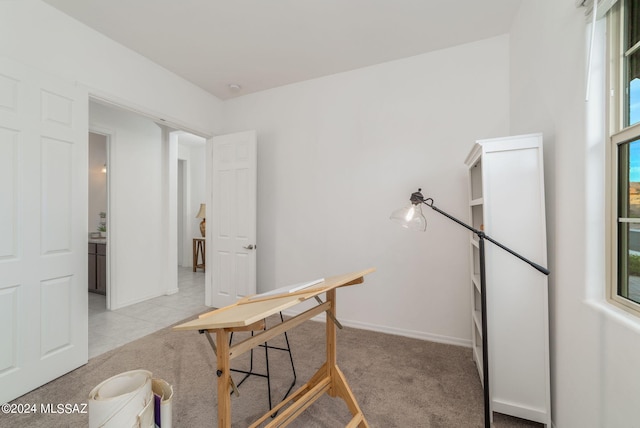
{"points": [[257, 326]]}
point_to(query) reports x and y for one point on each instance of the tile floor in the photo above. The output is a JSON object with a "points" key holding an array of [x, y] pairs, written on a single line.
{"points": [[110, 329]]}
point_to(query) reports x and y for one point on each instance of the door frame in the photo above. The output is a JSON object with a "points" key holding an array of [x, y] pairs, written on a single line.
{"points": [[112, 101], [182, 203]]}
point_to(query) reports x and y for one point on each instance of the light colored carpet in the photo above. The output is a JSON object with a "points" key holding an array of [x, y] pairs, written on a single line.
{"points": [[398, 381]]}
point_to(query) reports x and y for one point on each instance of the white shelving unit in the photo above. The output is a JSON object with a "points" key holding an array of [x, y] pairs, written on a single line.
{"points": [[506, 201]]}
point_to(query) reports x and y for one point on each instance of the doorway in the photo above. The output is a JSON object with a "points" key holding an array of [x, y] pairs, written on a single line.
{"points": [[190, 193], [151, 176]]}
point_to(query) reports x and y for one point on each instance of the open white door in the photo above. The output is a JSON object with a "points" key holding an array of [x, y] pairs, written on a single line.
{"points": [[231, 218], [43, 229]]}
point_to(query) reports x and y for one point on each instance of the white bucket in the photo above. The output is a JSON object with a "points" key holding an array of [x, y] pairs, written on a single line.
{"points": [[163, 395], [122, 401]]}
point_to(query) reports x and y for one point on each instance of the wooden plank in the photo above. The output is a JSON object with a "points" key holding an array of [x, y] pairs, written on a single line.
{"points": [[303, 294], [302, 403], [357, 420], [315, 379], [215, 311], [247, 312], [256, 326], [328, 284], [239, 316], [251, 342]]}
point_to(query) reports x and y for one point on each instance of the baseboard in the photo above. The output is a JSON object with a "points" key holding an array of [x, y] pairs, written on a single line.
{"points": [[521, 411], [414, 334], [133, 302]]}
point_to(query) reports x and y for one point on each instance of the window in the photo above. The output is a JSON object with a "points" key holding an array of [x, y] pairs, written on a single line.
{"points": [[631, 59], [629, 221], [624, 25]]}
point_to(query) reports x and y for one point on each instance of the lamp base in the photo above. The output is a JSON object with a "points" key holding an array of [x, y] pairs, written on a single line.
{"points": [[203, 227]]}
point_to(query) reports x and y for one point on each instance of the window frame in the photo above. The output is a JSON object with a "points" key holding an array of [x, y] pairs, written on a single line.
{"points": [[618, 135], [625, 136]]}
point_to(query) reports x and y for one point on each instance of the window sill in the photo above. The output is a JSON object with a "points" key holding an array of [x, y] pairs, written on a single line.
{"points": [[616, 314]]}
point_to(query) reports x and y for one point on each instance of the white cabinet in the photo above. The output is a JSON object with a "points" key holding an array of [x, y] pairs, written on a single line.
{"points": [[506, 188]]}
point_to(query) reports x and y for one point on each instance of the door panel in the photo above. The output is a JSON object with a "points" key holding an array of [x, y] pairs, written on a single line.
{"points": [[56, 315], [56, 173], [9, 150], [232, 224], [9, 328], [43, 228]]}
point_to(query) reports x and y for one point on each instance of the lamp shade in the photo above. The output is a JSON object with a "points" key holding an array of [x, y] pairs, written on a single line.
{"points": [[410, 217], [203, 211]]}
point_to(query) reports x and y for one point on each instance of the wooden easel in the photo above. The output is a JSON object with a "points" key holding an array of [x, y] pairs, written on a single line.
{"points": [[328, 379]]}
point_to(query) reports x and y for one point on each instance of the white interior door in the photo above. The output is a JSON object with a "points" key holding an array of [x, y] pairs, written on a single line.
{"points": [[231, 222], [43, 228]]}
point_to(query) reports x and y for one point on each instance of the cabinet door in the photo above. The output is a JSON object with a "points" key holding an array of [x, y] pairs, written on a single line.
{"points": [[92, 272], [101, 268], [101, 274]]}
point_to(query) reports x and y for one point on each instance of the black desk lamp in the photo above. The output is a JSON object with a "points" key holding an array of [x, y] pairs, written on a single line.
{"points": [[411, 217]]}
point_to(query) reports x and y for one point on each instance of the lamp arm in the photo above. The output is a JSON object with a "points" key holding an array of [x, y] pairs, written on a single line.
{"points": [[429, 202], [510, 251]]}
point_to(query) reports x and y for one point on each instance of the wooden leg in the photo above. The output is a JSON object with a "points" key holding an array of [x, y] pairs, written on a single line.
{"points": [[204, 258], [195, 256], [199, 254], [224, 379], [339, 386], [343, 391]]}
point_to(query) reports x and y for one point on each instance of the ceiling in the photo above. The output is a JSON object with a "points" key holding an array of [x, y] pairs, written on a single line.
{"points": [[261, 44]]}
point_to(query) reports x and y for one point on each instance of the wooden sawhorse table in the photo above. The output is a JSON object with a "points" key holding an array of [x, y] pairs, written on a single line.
{"points": [[328, 379]]}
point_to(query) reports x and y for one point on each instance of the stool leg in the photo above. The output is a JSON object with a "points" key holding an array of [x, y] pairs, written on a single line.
{"points": [[250, 372], [293, 368], [266, 357]]}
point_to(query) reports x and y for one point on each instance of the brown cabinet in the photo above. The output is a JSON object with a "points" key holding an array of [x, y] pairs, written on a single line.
{"points": [[92, 267], [98, 268]]}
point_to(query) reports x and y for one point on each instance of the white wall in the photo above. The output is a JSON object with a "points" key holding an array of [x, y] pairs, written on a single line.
{"points": [[595, 348], [36, 34], [137, 236], [337, 154]]}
